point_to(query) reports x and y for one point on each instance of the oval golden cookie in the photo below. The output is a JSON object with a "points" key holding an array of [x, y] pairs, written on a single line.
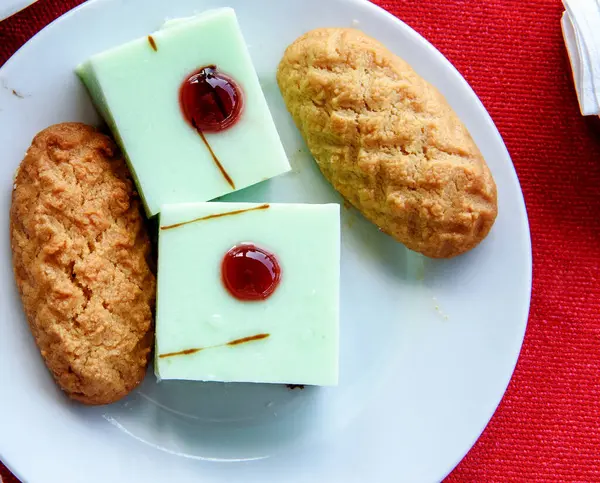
{"points": [[81, 262], [388, 141]]}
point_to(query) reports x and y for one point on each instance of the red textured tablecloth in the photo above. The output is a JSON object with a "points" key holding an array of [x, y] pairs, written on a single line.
{"points": [[547, 428]]}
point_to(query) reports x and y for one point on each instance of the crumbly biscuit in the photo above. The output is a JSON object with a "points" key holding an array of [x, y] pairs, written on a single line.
{"points": [[388, 141], [81, 259]]}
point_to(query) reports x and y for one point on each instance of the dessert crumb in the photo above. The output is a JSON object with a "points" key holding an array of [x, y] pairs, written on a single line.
{"points": [[355, 23], [438, 310], [14, 92]]}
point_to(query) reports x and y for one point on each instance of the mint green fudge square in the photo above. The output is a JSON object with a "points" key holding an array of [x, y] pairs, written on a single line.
{"points": [[290, 337], [136, 89]]}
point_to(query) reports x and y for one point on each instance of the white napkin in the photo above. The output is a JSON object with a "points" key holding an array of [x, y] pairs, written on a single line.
{"points": [[581, 31]]}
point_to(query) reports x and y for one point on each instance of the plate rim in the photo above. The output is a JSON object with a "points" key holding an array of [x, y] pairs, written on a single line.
{"points": [[379, 11], [9, 12]]}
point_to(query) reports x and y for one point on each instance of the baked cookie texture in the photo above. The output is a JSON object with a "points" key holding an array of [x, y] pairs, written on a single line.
{"points": [[388, 141], [81, 259]]}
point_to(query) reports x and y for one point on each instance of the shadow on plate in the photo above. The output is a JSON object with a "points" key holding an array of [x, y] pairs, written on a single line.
{"points": [[217, 421]]}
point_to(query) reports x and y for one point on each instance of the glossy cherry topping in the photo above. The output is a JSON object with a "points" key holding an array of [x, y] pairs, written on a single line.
{"points": [[210, 100], [250, 273]]}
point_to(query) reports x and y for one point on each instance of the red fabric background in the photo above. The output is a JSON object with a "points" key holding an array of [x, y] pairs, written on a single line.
{"points": [[547, 428]]}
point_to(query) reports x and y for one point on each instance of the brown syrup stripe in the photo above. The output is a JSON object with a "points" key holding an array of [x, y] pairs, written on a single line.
{"points": [[218, 215], [235, 342], [216, 160], [152, 43]]}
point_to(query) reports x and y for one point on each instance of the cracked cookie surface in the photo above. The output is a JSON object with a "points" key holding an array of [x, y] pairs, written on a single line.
{"points": [[81, 258], [388, 141]]}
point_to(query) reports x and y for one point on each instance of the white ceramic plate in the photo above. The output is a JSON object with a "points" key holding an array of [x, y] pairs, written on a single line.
{"points": [[10, 7], [427, 347]]}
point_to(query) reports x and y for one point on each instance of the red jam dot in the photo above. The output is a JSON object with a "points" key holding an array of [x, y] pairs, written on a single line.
{"points": [[210, 100], [250, 273]]}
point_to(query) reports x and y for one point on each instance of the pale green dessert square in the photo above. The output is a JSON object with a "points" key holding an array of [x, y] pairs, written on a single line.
{"points": [[292, 336], [136, 89]]}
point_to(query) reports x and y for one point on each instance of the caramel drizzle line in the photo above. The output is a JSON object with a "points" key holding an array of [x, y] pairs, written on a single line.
{"points": [[214, 156], [243, 340], [232, 343], [152, 43], [218, 215]]}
